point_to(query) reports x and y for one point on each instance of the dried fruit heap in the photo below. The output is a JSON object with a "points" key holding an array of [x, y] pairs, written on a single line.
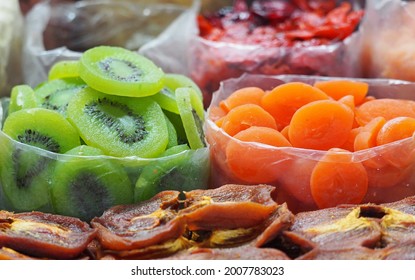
{"points": [[112, 102], [272, 37], [324, 144], [231, 222], [281, 23]]}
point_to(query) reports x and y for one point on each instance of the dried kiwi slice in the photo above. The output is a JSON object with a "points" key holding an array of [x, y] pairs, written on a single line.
{"points": [[167, 99], [178, 125], [192, 121], [21, 97], [84, 183], [25, 170], [55, 94], [119, 71], [42, 128], [175, 170], [24, 175], [172, 134], [64, 69], [174, 81], [119, 126]]}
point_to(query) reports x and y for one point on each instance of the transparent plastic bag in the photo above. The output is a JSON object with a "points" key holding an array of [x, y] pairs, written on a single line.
{"points": [[62, 31], [388, 38], [134, 178], [11, 30], [180, 49], [389, 167]]}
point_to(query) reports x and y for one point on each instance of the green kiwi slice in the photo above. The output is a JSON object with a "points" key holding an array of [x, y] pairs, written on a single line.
{"points": [[167, 99], [118, 71], [55, 94], [25, 170], [178, 125], [42, 128], [85, 183], [21, 97], [192, 121], [64, 69], [24, 177], [172, 134], [119, 126], [174, 81], [175, 170]]}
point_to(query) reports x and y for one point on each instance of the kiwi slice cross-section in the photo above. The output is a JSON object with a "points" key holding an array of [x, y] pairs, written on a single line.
{"points": [[42, 128], [119, 126], [64, 69], [25, 170], [55, 94], [85, 183], [176, 169], [118, 71], [191, 119], [21, 97], [24, 175]]}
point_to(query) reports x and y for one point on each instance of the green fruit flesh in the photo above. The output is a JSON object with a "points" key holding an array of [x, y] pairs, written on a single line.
{"points": [[21, 97], [120, 126], [178, 125], [192, 122], [86, 184], [167, 100], [117, 71], [76, 132], [179, 169], [172, 134], [167, 173], [23, 176], [64, 69], [42, 128], [174, 81], [56, 94], [25, 171], [167, 97]]}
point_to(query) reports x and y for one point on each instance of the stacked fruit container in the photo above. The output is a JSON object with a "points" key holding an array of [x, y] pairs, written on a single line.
{"points": [[110, 128]]}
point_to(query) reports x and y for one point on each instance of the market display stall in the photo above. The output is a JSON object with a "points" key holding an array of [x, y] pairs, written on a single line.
{"points": [[211, 129]]}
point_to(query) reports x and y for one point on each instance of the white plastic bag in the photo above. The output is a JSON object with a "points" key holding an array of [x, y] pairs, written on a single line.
{"points": [[11, 30], [388, 40], [180, 49], [62, 31]]}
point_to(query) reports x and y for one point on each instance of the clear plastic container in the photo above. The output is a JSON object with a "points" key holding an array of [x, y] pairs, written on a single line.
{"points": [[389, 167], [30, 176]]}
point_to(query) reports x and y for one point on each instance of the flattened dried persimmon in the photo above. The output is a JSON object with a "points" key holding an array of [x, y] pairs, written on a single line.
{"points": [[398, 227], [151, 222], [10, 254], [358, 253], [228, 207], [339, 228], [236, 253], [280, 221], [155, 251], [259, 235], [44, 235]]}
